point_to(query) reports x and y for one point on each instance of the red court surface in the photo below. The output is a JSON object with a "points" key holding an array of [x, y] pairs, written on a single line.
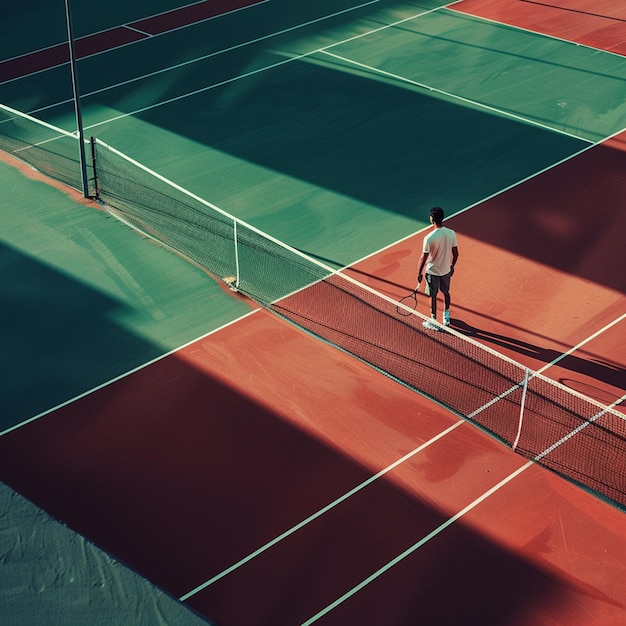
{"points": [[598, 25], [308, 474], [190, 465], [545, 246]]}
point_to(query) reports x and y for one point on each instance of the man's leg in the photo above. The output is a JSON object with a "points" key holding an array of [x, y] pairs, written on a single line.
{"points": [[445, 289], [433, 290]]}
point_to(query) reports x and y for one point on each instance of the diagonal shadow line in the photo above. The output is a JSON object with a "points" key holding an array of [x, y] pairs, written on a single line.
{"points": [[599, 369], [569, 10]]}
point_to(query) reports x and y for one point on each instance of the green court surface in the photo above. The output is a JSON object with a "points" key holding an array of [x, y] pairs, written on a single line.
{"points": [[21, 29], [339, 149], [85, 299], [334, 134]]}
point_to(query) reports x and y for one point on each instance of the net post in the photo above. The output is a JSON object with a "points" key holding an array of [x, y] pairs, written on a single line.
{"points": [[96, 187], [521, 411], [236, 254], [76, 92]]}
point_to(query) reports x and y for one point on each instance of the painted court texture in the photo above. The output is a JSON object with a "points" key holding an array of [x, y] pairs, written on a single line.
{"points": [[224, 464]]}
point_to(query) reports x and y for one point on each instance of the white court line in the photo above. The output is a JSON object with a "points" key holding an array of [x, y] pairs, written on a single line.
{"points": [[451, 95], [129, 26], [239, 76], [319, 513], [582, 343], [135, 30]]}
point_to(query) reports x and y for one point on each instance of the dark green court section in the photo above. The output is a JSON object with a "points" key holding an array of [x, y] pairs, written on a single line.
{"points": [[42, 23], [85, 299], [562, 86], [333, 164]]}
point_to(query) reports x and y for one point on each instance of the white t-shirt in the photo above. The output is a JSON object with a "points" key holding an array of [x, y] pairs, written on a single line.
{"points": [[438, 244]]}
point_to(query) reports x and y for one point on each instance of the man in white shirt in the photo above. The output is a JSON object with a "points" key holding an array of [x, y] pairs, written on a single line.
{"points": [[440, 254]]}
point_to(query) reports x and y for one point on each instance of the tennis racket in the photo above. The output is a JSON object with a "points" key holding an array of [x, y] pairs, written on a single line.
{"points": [[408, 304]]}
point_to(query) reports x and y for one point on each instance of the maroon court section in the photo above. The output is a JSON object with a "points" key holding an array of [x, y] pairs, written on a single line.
{"points": [[187, 467], [119, 36], [191, 14], [57, 55], [596, 24]]}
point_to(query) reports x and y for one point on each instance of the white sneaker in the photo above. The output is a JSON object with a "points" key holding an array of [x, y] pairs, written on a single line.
{"points": [[446, 318], [431, 325]]}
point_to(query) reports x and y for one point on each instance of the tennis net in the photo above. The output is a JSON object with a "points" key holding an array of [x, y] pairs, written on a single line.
{"points": [[49, 149], [540, 419]]}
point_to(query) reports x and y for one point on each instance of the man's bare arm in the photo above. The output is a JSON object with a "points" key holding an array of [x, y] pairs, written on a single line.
{"points": [[420, 271], [455, 257]]}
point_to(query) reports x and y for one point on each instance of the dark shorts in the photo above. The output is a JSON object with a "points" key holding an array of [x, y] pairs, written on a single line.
{"points": [[437, 284]]}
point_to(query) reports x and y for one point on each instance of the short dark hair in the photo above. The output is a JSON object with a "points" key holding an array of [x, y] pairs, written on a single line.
{"points": [[437, 214]]}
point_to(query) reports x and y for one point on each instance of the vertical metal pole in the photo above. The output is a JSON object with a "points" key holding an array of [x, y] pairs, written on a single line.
{"points": [[236, 254], [96, 188], [79, 116]]}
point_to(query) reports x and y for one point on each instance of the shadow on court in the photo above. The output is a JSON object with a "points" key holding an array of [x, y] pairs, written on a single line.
{"points": [[597, 369], [58, 339], [179, 475]]}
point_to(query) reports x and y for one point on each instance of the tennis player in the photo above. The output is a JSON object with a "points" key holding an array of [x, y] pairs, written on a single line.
{"points": [[440, 254]]}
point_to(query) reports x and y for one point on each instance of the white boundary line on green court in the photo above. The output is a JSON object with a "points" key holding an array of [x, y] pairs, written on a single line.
{"points": [[451, 95]]}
